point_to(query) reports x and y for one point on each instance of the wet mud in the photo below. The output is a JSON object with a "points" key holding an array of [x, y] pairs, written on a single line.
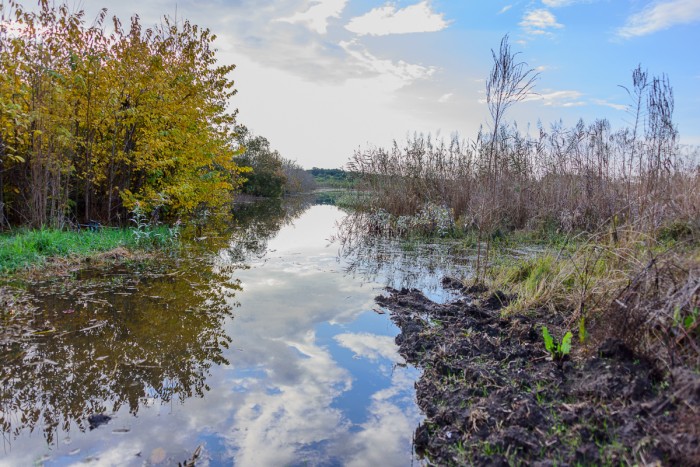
{"points": [[492, 395]]}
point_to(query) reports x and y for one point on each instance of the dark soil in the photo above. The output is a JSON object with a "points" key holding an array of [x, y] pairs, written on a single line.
{"points": [[491, 394]]}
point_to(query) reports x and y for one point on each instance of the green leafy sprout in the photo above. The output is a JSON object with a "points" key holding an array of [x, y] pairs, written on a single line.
{"points": [[558, 350]]}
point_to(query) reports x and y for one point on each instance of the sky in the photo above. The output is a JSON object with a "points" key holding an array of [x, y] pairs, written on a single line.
{"points": [[321, 79]]}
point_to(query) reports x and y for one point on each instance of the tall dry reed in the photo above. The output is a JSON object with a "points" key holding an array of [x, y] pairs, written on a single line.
{"points": [[587, 177]]}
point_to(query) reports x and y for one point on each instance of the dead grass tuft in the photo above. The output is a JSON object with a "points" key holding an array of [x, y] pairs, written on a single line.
{"points": [[658, 312]]}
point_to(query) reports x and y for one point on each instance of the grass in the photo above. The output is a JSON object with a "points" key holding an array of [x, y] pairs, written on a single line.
{"points": [[27, 248], [577, 269], [640, 289]]}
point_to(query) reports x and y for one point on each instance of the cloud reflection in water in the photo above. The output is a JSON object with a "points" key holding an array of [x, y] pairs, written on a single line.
{"points": [[287, 295], [309, 376]]}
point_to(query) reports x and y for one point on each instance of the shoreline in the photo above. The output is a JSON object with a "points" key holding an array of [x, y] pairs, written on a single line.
{"points": [[491, 395], [64, 265]]}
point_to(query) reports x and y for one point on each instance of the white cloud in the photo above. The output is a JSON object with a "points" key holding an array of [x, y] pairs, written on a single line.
{"points": [[612, 105], [445, 98], [558, 98], [370, 346], [558, 3], [505, 8], [388, 426], [330, 107], [400, 73], [562, 3], [318, 15], [659, 16], [539, 21], [270, 427], [388, 20]]}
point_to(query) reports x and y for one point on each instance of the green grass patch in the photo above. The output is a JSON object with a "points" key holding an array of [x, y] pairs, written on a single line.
{"points": [[25, 248], [530, 273]]}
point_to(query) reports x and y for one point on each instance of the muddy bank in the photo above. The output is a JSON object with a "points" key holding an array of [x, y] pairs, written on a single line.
{"points": [[56, 266], [492, 396]]}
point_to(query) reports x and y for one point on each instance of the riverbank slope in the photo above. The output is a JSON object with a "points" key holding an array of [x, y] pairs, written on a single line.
{"points": [[492, 394]]}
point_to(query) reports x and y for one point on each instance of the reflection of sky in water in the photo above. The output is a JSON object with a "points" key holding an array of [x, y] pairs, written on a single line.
{"points": [[329, 395], [313, 376]]}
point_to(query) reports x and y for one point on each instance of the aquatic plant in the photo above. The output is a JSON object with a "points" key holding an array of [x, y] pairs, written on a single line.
{"points": [[434, 219]]}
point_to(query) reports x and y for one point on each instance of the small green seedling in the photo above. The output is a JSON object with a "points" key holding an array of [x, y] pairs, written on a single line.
{"points": [[556, 349]]}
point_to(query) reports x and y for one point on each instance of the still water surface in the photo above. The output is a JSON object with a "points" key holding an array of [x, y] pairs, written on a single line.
{"points": [[261, 344]]}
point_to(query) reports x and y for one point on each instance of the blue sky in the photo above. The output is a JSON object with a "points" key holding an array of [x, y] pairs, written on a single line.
{"points": [[322, 78]]}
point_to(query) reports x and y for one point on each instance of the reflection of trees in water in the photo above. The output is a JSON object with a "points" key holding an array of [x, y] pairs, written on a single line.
{"points": [[123, 340], [402, 263], [132, 336], [256, 223]]}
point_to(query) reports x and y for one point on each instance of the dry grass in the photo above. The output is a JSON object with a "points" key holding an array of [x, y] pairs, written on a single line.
{"points": [[641, 291], [658, 312], [584, 178], [578, 179]]}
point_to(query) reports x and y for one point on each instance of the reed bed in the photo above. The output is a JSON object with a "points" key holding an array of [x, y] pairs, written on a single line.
{"points": [[585, 178]]}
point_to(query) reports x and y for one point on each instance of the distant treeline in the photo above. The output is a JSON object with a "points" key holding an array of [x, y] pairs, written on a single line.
{"points": [[95, 119], [333, 178]]}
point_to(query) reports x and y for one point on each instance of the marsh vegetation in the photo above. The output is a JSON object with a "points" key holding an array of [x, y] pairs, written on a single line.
{"points": [[617, 214]]}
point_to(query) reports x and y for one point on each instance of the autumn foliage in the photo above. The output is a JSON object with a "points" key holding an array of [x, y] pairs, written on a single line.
{"points": [[96, 118]]}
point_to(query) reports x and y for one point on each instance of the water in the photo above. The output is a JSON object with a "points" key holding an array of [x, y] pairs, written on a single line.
{"points": [[261, 344]]}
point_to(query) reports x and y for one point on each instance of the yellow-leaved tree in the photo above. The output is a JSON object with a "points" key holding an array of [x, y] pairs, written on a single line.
{"points": [[95, 120]]}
